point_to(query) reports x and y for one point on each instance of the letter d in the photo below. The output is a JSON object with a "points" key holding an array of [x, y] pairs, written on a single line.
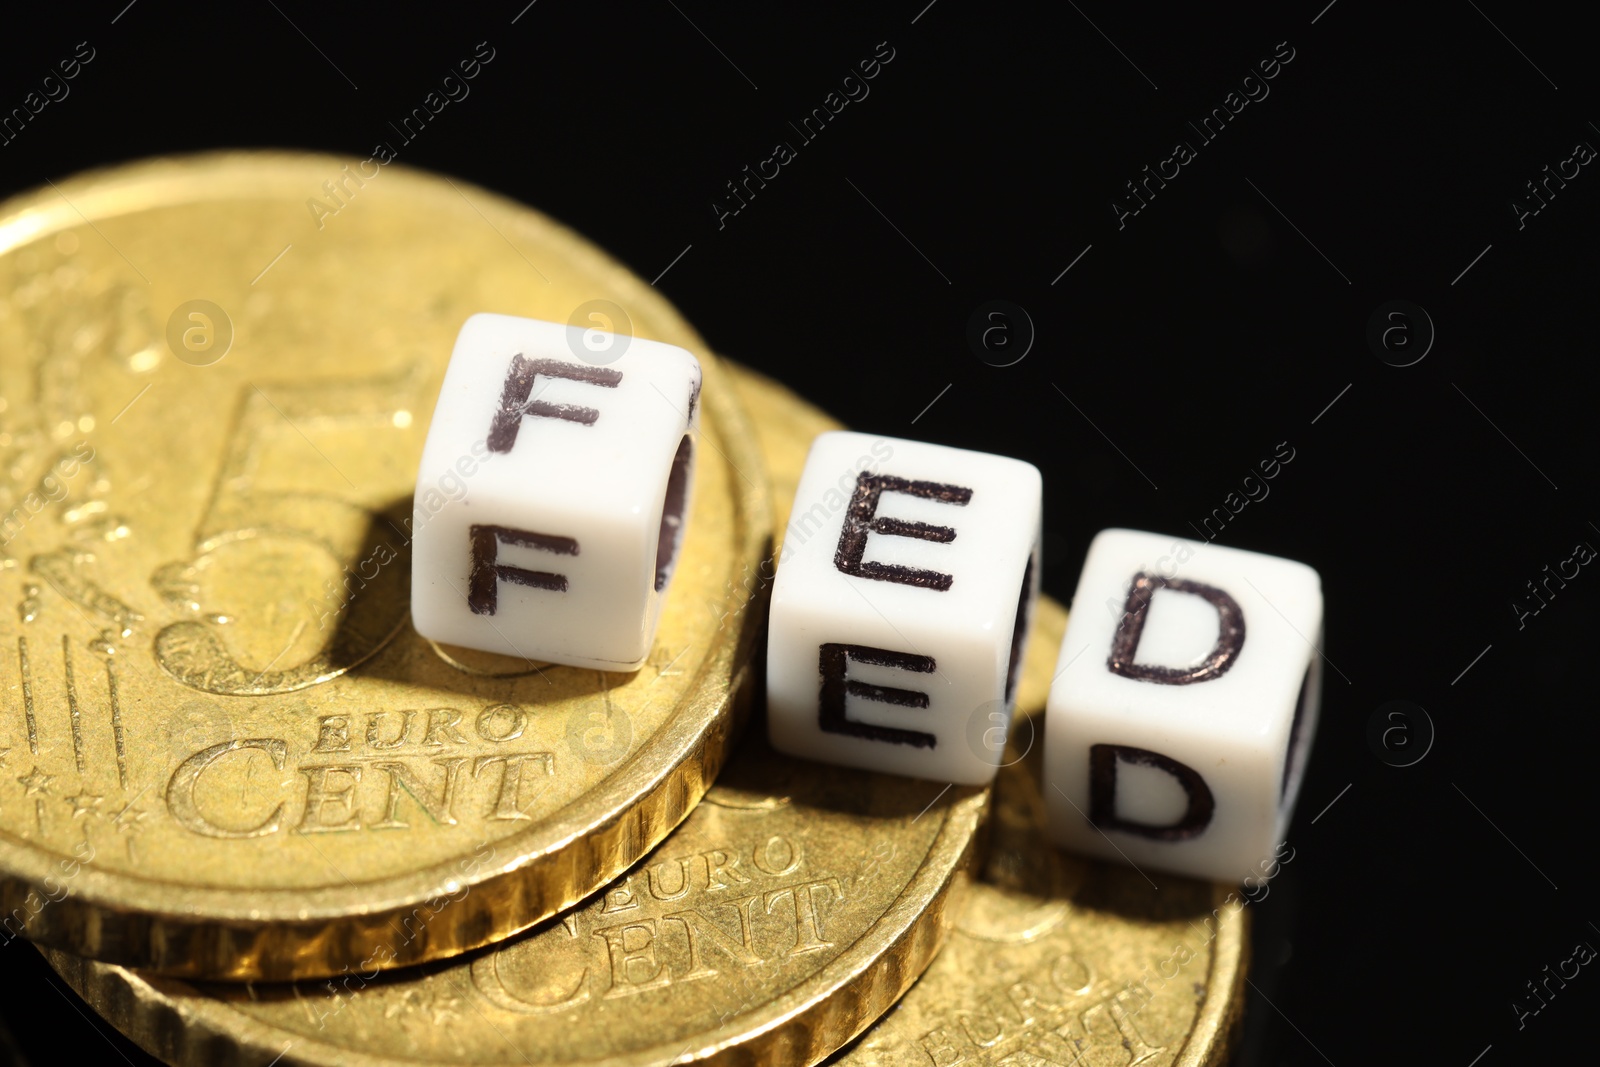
{"points": [[1103, 760]]}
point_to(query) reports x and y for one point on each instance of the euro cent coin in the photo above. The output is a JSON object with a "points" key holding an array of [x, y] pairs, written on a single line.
{"points": [[226, 753]]}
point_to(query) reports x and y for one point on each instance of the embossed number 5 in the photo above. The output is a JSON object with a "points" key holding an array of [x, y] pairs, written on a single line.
{"points": [[242, 514]]}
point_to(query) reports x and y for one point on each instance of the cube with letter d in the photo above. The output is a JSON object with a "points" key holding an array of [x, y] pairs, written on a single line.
{"points": [[553, 492], [1184, 704], [901, 604]]}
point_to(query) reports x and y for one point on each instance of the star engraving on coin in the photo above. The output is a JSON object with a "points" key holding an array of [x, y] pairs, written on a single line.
{"points": [[128, 818], [84, 804], [36, 782]]}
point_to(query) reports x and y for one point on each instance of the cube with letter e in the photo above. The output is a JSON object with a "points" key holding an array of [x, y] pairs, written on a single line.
{"points": [[553, 493], [902, 600], [1183, 706]]}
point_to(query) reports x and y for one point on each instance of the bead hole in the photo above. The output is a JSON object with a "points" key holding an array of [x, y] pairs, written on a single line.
{"points": [[670, 536], [1019, 628]]}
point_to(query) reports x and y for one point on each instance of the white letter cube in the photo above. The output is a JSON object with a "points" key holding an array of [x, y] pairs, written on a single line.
{"points": [[902, 599], [1184, 705], [553, 493]]}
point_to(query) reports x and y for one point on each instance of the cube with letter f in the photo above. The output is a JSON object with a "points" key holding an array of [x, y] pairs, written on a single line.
{"points": [[553, 493], [902, 601]]}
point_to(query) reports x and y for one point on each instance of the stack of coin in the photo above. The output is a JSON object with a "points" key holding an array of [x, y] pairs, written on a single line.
{"points": [[252, 817]]}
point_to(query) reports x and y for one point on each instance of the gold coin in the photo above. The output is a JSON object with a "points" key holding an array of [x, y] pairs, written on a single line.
{"points": [[227, 752], [787, 912]]}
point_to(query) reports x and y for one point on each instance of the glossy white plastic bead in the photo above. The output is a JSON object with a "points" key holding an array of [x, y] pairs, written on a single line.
{"points": [[553, 492], [1185, 699], [900, 607]]}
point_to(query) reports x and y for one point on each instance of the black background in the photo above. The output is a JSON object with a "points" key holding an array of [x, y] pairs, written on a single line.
{"points": [[1191, 341]]}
